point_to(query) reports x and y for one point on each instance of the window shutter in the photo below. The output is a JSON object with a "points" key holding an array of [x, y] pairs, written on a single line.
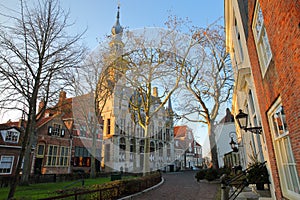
{"points": [[62, 132], [49, 130]]}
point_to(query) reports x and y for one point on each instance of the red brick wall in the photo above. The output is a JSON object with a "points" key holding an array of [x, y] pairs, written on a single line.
{"points": [[282, 22], [10, 152]]}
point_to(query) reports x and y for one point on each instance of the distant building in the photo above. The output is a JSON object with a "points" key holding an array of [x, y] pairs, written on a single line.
{"points": [[188, 152], [124, 140], [225, 130]]}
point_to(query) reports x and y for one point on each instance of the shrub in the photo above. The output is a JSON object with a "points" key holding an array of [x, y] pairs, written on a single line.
{"points": [[223, 170], [211, 174], [200, 175]]}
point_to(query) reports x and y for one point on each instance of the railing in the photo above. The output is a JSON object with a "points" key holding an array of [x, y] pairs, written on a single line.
{"points": [[99, 194], [5, 181], [240, 181]]}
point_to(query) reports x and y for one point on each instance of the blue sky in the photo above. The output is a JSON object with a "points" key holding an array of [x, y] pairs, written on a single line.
{"points": [[98, 16]]}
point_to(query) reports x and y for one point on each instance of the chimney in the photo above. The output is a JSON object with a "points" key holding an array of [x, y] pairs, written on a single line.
{"points": [[62, 98], [41, 105], [155, 92]]}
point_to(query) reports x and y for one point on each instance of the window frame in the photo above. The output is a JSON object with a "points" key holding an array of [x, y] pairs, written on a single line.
{"points": [[56, 129], [65, 157], [52, 155], [283, 151], [11, 164], [262, 43], [38, 155], [12, 136]]}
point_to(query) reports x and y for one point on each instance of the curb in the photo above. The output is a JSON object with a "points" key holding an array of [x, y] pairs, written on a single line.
{"points": [[144, 191]]}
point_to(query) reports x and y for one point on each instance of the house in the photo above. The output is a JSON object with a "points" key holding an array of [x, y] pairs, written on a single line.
{"points": [[225, 133], [64, 143], [10, 146], [263, 40], [188, 152]]}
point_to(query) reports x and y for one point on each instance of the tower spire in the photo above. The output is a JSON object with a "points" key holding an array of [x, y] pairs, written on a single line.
{"points": [[117, 28]]}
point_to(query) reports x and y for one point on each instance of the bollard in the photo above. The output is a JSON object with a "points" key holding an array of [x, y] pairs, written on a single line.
{"points": [[224, 188]]}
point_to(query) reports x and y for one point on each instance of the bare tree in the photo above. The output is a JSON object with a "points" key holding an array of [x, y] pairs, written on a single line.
{"points": [[150, 61], [36, 56], [92, 92], [209, 81]]}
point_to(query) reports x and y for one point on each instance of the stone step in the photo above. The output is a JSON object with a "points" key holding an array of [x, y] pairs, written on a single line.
{"points": [[247, 196]]}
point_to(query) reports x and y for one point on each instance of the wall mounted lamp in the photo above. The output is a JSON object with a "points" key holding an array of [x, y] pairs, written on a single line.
{"points": [[242, 119]]}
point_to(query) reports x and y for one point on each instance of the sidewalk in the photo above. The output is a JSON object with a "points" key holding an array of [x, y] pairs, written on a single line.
{"points": [[253, 194]]}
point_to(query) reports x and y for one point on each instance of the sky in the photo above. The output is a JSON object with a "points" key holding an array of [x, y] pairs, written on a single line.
{"points": [[98, 17]]}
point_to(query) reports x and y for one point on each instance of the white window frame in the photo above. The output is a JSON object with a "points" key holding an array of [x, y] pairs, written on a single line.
{"points": [[56, 129], [15, 135], [284, 155], [261, 40], [11, 164], [64, 156], [52, 156]]}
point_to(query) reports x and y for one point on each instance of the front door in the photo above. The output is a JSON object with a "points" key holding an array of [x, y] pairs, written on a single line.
{"points": [[38, 165]]}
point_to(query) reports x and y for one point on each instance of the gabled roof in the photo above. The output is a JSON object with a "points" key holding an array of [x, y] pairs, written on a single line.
{"points": [[180, 131], [228, 117], [9, 126], [197, 144], [43, 121]]}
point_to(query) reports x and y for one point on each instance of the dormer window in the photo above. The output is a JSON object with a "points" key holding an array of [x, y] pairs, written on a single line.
{"points": [[12, 136]]}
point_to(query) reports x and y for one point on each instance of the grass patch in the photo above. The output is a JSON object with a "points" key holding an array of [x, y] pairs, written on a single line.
{"points": [[43, 190]]}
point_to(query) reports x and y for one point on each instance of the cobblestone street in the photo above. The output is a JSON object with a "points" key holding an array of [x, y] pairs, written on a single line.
{"points": [[181, 186]]}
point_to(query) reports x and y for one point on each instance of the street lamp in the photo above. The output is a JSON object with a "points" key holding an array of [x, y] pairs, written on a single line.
{"points": [[242, 119], [233, 144]]}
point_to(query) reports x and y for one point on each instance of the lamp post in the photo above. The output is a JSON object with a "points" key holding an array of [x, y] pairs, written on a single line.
{"points": [[242, 119], [232, 143]]}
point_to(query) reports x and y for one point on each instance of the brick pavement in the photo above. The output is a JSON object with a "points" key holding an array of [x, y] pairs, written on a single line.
{"points": [[180, 186]]}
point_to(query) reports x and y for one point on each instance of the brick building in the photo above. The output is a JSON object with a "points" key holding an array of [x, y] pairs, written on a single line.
{"points": [[64, 143], [10, 146], [263, 39]]}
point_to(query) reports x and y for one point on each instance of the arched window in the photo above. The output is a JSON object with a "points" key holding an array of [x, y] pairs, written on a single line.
{"points": [[132, 145], [152, 146], [168, 150], [161, 149], [122, 144], [142, 146]]}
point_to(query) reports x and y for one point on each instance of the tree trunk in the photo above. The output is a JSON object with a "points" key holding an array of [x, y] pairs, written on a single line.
{"points": [[25, 143], [27, 159], [93, 157], [213, 146], [146, 168]]}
